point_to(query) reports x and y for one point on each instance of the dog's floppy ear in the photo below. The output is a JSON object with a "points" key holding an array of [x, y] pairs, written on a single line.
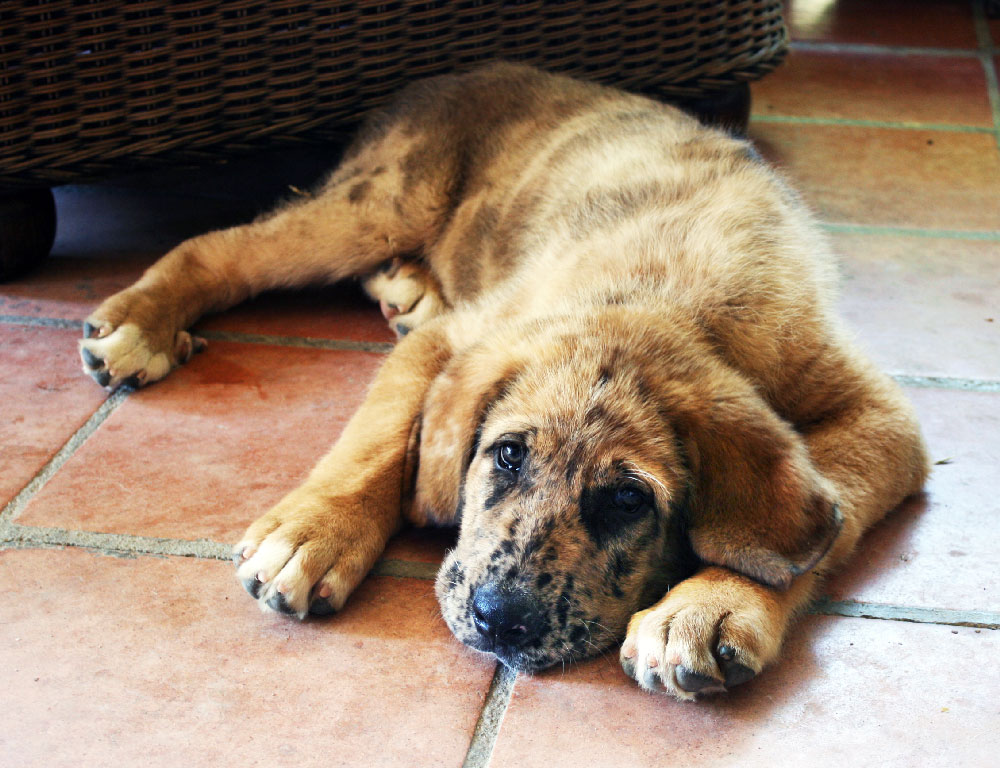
{"points": [[758, 505], [453, 412]]}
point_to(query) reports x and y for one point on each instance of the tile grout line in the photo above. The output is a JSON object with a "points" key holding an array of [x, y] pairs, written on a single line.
{"points": [[406, 569], [946, 382], [129, 545], [912, 614], [819, 46], [942, 382], [986, 52], [889, 124], [883, 230], [16, 536], [911, 380], [484, 737], [43, 322], [13, 508], [303, 342]]}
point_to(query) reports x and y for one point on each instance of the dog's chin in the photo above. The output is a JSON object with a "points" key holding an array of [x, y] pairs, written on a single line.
{"points": [[519, 661], [512, 658]]}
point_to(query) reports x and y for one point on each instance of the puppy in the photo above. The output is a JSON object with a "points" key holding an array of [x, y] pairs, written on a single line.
{"points": [[619, 373]]}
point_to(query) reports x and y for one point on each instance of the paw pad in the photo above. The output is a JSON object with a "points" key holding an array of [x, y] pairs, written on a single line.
{"points": [[694, 682], [321, 606]]}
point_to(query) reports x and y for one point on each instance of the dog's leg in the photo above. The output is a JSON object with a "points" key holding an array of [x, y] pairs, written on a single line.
{"points": [[311, 550], [719, 628], [366, 214]]}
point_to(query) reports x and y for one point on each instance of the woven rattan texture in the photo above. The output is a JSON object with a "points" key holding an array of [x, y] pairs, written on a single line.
{"points": [[89, 87]]}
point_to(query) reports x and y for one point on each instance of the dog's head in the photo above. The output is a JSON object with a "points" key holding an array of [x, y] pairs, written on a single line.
{"points": [[593, 465]]}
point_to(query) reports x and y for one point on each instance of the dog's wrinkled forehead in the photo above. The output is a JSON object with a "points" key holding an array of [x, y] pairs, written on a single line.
{"points": [[594, 421]]}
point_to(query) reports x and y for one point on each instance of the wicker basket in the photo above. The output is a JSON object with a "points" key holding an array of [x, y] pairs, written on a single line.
{"points": [[89, 87]]}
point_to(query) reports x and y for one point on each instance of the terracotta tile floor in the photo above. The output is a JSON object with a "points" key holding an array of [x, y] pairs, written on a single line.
{"points": [[125, 639]]}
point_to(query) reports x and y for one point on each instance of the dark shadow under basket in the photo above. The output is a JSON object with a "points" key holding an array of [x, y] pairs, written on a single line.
{"points": [[89, 87]]}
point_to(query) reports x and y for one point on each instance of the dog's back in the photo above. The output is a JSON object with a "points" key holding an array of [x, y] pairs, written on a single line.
{"points": [[551, 196]]}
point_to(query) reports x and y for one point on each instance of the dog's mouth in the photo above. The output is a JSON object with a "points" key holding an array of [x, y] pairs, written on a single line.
{"points": [[523, 641], [511, 657], [520, 659]]}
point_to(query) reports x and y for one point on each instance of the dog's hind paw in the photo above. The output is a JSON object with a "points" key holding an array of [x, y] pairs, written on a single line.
{"points": [[712, 632], [407, 293]]}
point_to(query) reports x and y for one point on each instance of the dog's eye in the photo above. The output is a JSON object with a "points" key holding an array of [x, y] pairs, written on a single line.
{"points": [[630, 499], [509, 456]]}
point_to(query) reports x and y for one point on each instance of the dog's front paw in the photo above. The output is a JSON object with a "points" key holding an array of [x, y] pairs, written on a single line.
{"points": [[305, 556], [124, 342], [710, 633]]}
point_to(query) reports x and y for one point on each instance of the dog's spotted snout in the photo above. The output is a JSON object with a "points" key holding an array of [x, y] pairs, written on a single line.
{"points": [[505, 615]]}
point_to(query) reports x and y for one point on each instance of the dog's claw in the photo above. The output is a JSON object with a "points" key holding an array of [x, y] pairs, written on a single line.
{"points": [[628, 664], [277, 602], [91, 360], [253, 586]]}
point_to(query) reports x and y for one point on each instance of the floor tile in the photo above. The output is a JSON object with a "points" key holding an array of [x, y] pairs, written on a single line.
{"points": [[875, 176], [924, 306], [942, 549], [211, 447], [925, 89], [424, 545], [924, 23], [847, 692], [109, 235], [70, 288], [339, 312], [45, 400], [163, 662]]}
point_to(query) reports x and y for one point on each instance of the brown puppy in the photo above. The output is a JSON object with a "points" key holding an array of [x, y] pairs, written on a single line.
{"points": [[622, 377]]}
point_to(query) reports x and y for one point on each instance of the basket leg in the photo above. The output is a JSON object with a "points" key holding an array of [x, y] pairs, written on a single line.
{"points": [[27, 230], [729, 109]]}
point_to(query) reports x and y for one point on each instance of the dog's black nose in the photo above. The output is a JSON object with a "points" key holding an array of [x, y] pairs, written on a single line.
{"points": [[505, 615]]}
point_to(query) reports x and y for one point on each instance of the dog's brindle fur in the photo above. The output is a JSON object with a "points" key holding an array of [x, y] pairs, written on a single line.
{"points": [[624, 378]]}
